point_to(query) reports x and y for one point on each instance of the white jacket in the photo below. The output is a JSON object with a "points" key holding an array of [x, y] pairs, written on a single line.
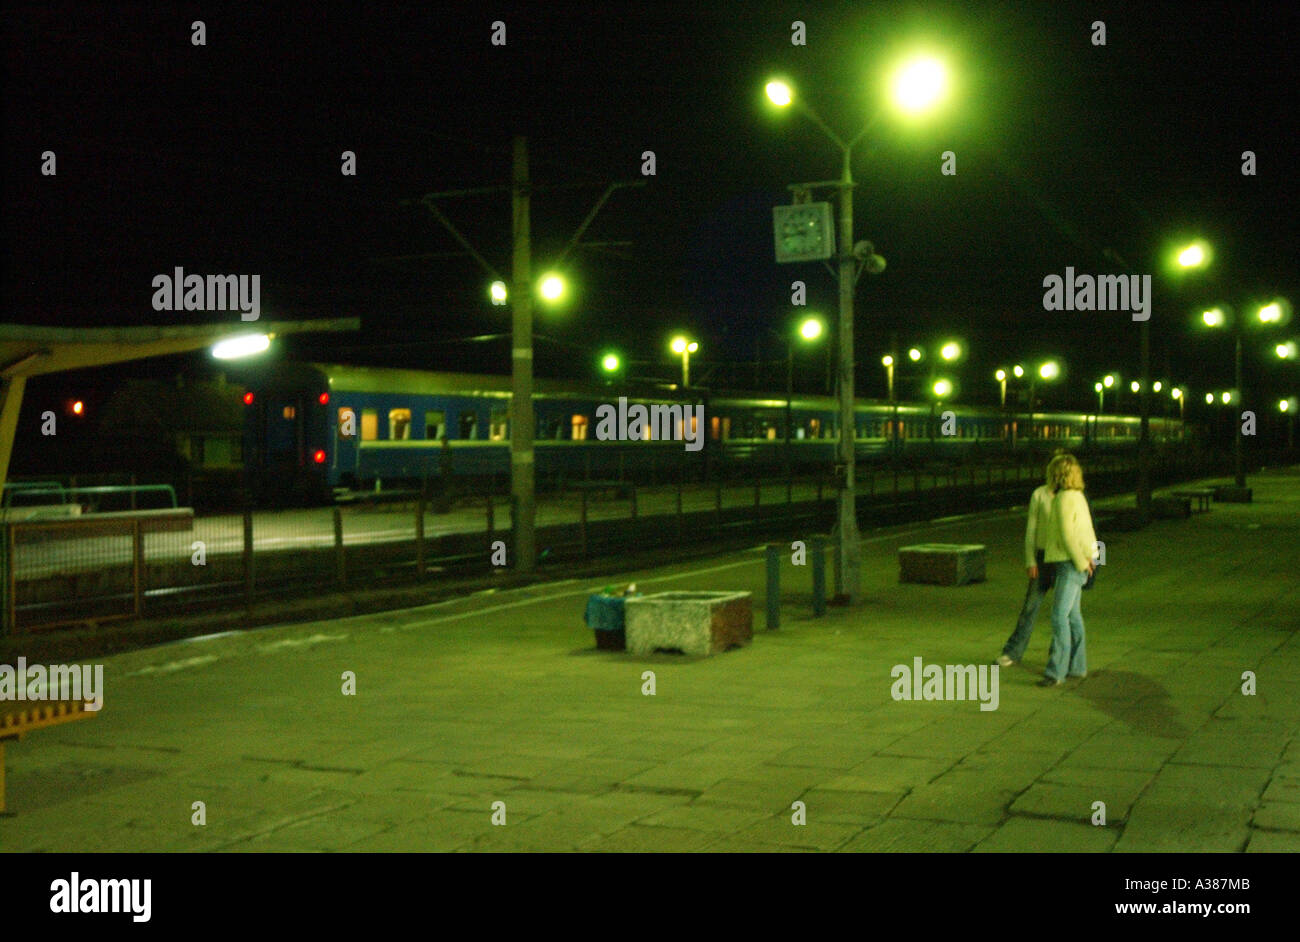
{"points": [[1040, 510], [1069, 530]]}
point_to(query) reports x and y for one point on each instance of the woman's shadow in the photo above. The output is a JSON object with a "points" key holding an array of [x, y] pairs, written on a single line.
{"points": [[1136, 699]]}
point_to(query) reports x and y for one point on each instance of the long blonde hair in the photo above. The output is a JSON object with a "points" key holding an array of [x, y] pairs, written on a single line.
{"points": [[1068, 474], [1054, 466]]}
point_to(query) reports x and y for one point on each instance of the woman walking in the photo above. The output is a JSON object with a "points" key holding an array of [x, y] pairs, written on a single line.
{"points": [[1040, 581], [1071, 543]]}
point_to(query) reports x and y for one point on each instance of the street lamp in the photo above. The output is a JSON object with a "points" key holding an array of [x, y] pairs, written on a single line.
{"points": [[1001, 377], [917, 87], [1100, 390], [236, 348], [497, 292], [1286, 351], [684, 348], [1178, 395], [611, 363]]}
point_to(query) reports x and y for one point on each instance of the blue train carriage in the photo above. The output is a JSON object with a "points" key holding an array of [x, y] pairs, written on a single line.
{"points": [[315, 429]]}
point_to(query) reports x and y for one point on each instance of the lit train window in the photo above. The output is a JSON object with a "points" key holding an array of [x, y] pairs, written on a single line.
{"points": [[399, 424], [435, 423], [369, 425], [715, 428], [814, 428], [579, 428], [499, 427], [347, 423], [290, 412]]}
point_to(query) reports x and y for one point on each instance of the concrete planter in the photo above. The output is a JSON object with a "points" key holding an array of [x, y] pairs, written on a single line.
{"points": [[696, 623], [941, 563]]}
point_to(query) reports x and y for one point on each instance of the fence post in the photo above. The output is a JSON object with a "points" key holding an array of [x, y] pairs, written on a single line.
{"points": [[491, 522], [248, 557], [818, 544], [8, 604], [419, 538], [633, 500], [758, 499], [680, 522], [717, 517], [774, 585], [137, 566], [340, 564]]}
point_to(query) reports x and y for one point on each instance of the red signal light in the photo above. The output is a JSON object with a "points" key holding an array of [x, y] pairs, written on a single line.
{"points": [[78, 407], [248, 398], [319, 457], [323, 398]]}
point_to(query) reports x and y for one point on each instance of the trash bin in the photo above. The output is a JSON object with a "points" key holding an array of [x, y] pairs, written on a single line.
{"points": [[605, 616]]}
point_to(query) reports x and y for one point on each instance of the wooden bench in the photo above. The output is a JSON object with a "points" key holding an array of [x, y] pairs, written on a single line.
{"points": [[14, 723], [941, 563], [1202, 496]]}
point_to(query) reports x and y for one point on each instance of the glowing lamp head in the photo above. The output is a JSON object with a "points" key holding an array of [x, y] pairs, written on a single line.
{"points": [[1049, 370], [950, 351], [1193, 256], [609, 363], [1108, 380], [552, 287], [1000, 376], [1097, 387], [1226, 397], [318, 456], [1284, 405], [1286, 351], [692, 347], [1018, 370], [887, 360], [942, 388], [914, 355], [78, 407], [810, 329], [920, 85], [1209, 399], [1213, 317], [779, 93], [679, 345], [1270, 313], [1134, 386], [237, 347], [1176, 393]]}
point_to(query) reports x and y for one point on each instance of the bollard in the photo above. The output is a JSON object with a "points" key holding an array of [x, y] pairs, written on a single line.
{"points": [[137, 566], [717, 515], [419, 538], [774, 551], [340, 570], [248, 557], [679, 510], [582, 523], [818, 543]]}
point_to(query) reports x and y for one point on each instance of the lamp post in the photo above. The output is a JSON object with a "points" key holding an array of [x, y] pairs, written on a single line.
{"points": [[684, 348], [1288, 408], [918, 86], [1001, 377]]}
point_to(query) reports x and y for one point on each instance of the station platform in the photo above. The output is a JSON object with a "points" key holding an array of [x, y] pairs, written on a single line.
{"points": [[503, 697]]}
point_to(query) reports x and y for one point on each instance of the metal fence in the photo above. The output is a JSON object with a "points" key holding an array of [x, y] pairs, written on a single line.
{"points": [[156, 562]]}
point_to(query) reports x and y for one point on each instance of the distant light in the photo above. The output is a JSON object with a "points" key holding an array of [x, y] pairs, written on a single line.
{"points": [[942, 388], [692, 347], [920, 84], [323, 398], [236, 347], [1286, 350], [319, 456], [950, 351], [1227, 398], [1213, 317], [1176, 393], [914, 354], [78, 407], [248, 398], [679, 345], [1018, 370], [1271, 313], [1284, 405], [610, 363], [1000, 376], [497, 292], [779, 93], [1157, 386], [811, 329], [1049, 370], [552, 287], [1193, 256], [1097, 387], [887, 360], [1134, 386], [1108, 380]]}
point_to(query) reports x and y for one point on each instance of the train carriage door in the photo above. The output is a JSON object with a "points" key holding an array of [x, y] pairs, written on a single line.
{"points": [[284, 432]]}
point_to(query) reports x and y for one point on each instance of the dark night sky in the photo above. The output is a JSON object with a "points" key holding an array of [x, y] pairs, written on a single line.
{"points": [[225, 159]]}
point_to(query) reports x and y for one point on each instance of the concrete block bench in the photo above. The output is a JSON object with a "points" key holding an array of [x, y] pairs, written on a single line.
{"points": [[1230, 494], [942, 563], [1202, 496], [696, 623], [1171, 508]]}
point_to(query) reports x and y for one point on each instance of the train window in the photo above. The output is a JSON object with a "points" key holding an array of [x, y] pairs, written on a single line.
{"points": [[579, 428], [814, 428], [399, 424], [369, 425], [468, 424], [347, 423], [290, 412], [715, 428], [435, 425], [499, 427]]}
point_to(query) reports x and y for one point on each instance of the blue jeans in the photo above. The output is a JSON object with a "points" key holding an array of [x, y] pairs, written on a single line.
{"points": [[1019, 640], [1068, 653]]}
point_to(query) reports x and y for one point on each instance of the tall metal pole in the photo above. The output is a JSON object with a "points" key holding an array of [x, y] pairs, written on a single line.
{"points": [[848, 570], [1236, 422], [1144, 437], [522, 488]]}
